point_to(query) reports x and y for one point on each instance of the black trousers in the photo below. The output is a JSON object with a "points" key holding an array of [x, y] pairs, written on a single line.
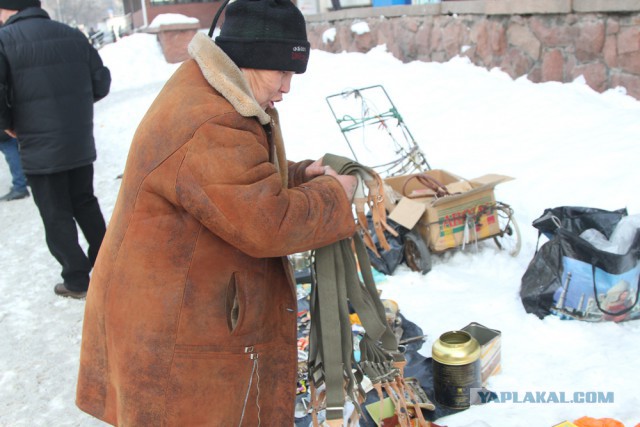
{"points": [[64, 199]]}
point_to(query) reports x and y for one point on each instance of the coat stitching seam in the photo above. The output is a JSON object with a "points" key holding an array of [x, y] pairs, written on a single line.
{"points": [[175, 338]]}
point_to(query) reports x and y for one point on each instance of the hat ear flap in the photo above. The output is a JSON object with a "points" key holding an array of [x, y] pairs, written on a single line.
{"points": [[215, 18]]}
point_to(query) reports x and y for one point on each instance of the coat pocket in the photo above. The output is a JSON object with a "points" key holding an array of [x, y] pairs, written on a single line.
{"points": [[251, 305], [234, 306]]}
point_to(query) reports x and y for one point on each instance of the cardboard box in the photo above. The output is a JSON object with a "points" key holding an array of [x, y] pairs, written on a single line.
{"points": [[441, 221], [490, 343]]}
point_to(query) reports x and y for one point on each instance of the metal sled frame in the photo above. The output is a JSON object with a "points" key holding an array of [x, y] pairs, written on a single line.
{"points": [[408, 158], [376, 109]]}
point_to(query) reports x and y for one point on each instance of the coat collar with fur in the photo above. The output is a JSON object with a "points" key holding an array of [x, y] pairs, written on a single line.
{"points": [[225, 77]]}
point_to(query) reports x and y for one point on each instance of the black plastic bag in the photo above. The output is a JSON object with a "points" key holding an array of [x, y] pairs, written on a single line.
{"points": [[578, 219], [387, 262], [571, 278]]}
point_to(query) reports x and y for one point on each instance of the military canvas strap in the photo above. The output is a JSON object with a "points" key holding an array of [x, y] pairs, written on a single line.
{"points": [[331, 352], [337, 284], [369, 193]]}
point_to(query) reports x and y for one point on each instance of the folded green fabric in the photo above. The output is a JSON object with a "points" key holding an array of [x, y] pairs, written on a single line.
{"points": [[336, 285]]}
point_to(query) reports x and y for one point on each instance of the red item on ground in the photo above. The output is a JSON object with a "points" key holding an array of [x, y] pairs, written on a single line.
{"points": [[597, 422]]}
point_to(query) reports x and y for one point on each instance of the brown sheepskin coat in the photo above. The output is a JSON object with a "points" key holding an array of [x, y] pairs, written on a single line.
{"points": [[191, 312]]}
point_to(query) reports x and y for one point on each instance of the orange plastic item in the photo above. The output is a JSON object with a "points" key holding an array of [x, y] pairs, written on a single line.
{"points": [[597, 422], [355, 319]]}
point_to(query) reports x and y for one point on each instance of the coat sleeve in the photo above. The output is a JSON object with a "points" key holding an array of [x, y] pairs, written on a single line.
{"points": [[100, 75], [296, 172], [227, 182], [5, 95]]}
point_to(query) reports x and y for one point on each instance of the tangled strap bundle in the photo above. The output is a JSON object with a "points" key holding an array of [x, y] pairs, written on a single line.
{"points": [[372, 197], [337, 284], [433, 187]]}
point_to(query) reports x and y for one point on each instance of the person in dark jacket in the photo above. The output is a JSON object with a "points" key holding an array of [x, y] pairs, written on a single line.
{"points": [[9, 147], [50, 76]]}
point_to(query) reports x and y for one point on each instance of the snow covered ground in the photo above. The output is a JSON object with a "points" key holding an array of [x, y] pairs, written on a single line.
{"points": [[563, 143]]}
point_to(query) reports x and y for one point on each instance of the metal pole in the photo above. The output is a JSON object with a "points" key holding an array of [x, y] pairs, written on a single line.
{"points": [[144, 13], [58, 10]]}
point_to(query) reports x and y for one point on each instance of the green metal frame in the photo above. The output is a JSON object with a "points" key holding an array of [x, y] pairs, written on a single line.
{"points": [[410, 159]]}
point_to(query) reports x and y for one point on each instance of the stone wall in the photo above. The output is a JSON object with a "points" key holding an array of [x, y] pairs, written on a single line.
{"points": [[204, 12], [546, 40], [174, 40]]}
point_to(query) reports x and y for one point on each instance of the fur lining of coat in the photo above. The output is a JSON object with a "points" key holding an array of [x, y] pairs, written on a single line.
{"points": [[225, 76]]}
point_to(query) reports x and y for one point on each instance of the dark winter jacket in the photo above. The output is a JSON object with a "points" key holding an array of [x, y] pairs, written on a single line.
{"points": [[4, 137], [50, 76]]}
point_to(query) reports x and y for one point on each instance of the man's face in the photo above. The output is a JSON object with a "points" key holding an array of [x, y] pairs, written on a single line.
{"points": [[6, 14], [268, 86]]}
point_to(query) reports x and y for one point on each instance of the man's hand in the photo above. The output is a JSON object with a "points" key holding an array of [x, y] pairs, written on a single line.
{"points": [[11, 133], [348, 182], [314, 169]]}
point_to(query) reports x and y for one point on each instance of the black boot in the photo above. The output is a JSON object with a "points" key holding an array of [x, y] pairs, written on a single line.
{"points": [[15, 195]]}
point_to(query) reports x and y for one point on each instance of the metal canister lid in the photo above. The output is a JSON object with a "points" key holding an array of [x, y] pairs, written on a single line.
{"points": [[455, 348]]}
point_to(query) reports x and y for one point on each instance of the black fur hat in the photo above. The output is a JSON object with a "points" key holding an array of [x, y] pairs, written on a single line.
{"points": [[265, 34]]}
